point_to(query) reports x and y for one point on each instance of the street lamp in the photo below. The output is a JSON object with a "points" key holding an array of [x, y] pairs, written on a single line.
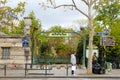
{"points": [[84, 46], [33, 39]]}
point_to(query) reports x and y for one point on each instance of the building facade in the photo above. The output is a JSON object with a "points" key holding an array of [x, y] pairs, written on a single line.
{"points": [[11, 50]]}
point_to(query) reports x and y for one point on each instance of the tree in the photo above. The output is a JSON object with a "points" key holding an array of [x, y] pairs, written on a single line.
{"points": [[35, 30], [112, 11], [3, 2], [58, 42], [91, 5], [7, 13], [19, 9], [113, 21]]}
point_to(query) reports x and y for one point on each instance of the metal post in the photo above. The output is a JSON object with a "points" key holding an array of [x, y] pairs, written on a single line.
{"points": [[5, 70], [105, 32], [25, 69], [84, 46], [45, 69], [33, 45], [67, 69], [84, 50], [32, 49]]}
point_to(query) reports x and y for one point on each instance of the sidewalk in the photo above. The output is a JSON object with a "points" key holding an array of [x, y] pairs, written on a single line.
{"points": [[57, 73]]}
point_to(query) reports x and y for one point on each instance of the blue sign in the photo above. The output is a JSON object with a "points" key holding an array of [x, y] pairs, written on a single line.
{"points": [[25, 42]]}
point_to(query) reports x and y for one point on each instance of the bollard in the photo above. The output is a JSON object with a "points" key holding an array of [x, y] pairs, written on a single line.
{"points": [[45, 69], [67, 70], [5, 70], [25, 69]]}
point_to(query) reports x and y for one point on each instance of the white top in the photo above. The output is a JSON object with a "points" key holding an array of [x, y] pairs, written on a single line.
{"points": [[73, 59]]}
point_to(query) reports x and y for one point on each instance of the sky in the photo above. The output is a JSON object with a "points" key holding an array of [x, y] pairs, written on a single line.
{"points": [[50, 17]]}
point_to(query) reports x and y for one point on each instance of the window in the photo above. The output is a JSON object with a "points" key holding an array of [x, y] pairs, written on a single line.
{"points": [[5, 52]]}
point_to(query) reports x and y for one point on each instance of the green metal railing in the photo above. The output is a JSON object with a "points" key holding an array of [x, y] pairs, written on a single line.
{"points": [[51, 60]]}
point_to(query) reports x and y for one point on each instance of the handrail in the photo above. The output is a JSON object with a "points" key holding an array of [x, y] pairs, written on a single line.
{"points": [[26, 68]]}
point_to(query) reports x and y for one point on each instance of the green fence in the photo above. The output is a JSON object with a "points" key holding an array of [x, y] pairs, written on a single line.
{"points": [[51, 60]]}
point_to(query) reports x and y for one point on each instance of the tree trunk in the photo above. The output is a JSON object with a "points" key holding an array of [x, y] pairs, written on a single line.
{"points": [[90, 25], [89, 68]]}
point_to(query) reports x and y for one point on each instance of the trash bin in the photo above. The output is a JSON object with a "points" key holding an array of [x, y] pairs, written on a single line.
{"points": [[98, 69], [108, 66]]}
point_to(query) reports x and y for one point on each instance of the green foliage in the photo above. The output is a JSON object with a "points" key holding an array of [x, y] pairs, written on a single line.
{"points": [[19, 9], [109, 15], [44, 48], [79, 52], [57, 28], [3, 2], [62, 49], [35, 22], [35, 30], [5, 30], [63, 45], [16, 30]]}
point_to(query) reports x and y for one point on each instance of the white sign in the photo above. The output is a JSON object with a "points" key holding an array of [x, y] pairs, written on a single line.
{"points": [[94, 50]]}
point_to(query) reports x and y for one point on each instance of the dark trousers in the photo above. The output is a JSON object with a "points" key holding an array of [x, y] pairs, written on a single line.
{"points": [[72, 72], [94, 62]]}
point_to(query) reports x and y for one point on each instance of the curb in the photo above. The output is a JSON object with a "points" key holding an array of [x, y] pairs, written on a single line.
{"points": [[76, 76]]}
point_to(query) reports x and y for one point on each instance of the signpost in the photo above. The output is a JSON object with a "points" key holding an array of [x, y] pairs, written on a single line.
{"points": [[106, 40]]}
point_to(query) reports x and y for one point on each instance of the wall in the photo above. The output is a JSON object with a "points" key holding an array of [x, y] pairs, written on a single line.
{"points": [[17, 54]]}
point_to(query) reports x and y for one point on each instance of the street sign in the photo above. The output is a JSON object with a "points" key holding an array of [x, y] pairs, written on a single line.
{"points": [[25, 42], [101, 34], [108, 41], [98, 33]]}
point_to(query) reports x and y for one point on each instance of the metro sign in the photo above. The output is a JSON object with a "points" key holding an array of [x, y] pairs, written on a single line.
{"points": [[58, 34]]}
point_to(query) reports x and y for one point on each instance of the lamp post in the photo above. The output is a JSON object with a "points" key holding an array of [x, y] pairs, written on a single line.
{"points": [[84, 46], [27, 21], [105, 33], [33, 44]]}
